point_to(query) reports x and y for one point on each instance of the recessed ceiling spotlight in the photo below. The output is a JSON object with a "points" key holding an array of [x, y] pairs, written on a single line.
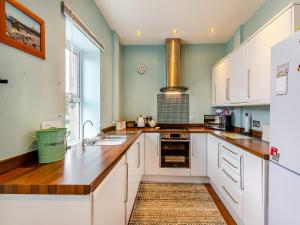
{"points": [[212, 30], [175, 31], [138, 33]]}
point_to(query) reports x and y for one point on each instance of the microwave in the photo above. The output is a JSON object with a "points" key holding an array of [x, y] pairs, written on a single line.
{"points": [[218, 122]]}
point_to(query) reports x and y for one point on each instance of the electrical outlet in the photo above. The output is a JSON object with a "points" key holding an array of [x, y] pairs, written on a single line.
{"points": [[256, 123]]}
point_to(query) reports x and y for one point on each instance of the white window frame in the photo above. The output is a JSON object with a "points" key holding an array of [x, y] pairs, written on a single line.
{"points": [[76, 98]]}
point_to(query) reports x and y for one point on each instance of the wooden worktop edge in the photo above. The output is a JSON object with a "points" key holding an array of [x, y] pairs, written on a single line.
{"points": [[62, 189]]}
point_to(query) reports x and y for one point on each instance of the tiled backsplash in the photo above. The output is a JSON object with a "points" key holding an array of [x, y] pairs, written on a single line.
{"points": [[173, 108]]}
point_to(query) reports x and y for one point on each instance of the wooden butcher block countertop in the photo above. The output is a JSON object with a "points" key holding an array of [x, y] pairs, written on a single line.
{"points": [[83, 170]]}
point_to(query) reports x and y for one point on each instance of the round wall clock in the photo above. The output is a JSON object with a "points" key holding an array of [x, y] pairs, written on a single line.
{"points": [[141, 69]]}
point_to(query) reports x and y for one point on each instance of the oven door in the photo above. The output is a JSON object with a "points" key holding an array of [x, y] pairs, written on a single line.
{"points": [[175, 153]]}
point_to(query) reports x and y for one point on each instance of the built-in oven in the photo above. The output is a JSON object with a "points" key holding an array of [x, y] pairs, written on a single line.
{"points": [[175, 150]]}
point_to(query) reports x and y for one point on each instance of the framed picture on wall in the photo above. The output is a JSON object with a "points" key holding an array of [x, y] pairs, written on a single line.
{"points": [[21, 28]]}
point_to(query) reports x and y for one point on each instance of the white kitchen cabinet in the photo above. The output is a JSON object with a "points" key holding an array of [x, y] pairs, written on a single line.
{"points": [[110, 203], [198, 155], [141, 151], [152, 152], [222, 82], [134, 177], [239, 76], [108, 197], [259, 54], [213, 159], [239, 179], [253, 196], [118, 191], [27, 209], [243, 77]]}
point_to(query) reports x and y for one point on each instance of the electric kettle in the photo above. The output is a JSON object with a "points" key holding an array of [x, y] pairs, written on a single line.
{"points": [[140, 121]]}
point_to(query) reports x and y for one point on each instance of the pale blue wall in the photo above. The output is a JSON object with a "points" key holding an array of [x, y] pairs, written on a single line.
{"points": [[139, 91], [266, 12], [260, 113], [235, 40], [35, 91]]}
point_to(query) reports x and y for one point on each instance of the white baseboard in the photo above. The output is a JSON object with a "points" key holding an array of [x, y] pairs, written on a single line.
{"points": [[175, 179]]}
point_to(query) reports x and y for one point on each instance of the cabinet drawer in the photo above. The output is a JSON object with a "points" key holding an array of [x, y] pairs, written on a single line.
{"points": [[231, 176], [231, 150], [231, 162], [233, 196]]}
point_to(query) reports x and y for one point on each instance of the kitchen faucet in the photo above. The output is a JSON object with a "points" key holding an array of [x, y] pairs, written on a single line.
{"points": [[84, 140]]}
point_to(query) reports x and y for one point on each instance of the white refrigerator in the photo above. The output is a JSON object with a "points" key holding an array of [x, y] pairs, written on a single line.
{"points": [[284, 167]]}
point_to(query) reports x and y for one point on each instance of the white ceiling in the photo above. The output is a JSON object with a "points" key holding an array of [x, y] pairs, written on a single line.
{"points": [[157, 18]]}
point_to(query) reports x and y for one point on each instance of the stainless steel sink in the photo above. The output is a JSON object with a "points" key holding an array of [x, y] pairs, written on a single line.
{"points": [[113, 138]]}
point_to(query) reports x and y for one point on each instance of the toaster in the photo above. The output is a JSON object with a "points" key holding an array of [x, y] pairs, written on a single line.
{"points": [[218, 122]]}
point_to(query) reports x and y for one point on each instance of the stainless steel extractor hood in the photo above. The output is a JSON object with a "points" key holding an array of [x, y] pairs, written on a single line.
{"points": [[173, 66]]}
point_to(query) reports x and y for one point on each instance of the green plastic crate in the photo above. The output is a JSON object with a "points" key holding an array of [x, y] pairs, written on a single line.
{"points": [[51, 144]]}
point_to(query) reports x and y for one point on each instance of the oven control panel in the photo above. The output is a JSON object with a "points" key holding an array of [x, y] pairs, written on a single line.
{"points": [[174, 136]]}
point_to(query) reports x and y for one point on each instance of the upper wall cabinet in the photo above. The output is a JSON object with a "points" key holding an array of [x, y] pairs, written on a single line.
{"points": [[239, 76], [243, 77], [259, 53], [221, 79]]}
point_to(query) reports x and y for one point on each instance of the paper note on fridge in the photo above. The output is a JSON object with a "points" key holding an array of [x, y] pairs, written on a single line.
{"points": [[282, 79]]}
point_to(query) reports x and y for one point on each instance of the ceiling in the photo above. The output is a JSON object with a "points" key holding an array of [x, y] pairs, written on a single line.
{"points": [[156, 19]]}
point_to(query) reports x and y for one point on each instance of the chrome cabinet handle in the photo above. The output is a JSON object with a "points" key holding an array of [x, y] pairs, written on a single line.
{"points": [[126, 183], [242, 172], [170, 140], [139, 156], [219, 165], [158, 144], [192, 147], [227, 89], [230, 150], [227, 192], [235, 181], [248, 82], [229, 163]]}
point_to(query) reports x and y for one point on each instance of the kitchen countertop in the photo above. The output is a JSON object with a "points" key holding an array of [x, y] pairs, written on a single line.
{"points": [[83, 170], [254, 146]]}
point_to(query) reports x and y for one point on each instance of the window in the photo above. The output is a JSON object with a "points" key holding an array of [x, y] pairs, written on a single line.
{"points": [[73, 95], [83, 84]]}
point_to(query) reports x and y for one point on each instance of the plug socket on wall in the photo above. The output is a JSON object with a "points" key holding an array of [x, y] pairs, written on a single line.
{"points": [[256, 123]]}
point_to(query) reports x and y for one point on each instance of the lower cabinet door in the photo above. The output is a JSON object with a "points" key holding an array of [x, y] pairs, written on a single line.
{"points": [[141, 156], [198, 155], [134, 177], [213, 158], [233, 197], [254, 197], [152, 152], [108, 198]]}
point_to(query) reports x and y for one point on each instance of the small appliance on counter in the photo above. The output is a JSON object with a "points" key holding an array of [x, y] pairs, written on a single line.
{"points": [[130, 124], [218, 122], [141, 122]]}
